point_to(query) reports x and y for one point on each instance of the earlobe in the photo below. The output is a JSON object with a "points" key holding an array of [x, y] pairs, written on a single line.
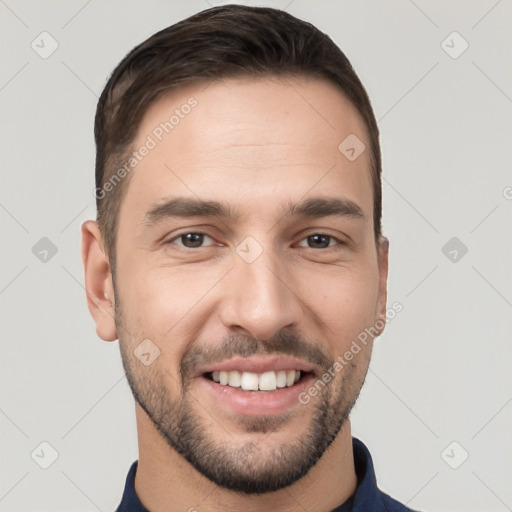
{"points": [[98, 281], [382, 256]]}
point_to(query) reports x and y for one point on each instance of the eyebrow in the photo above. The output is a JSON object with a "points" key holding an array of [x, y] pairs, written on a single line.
{"points": [[316, 207]]}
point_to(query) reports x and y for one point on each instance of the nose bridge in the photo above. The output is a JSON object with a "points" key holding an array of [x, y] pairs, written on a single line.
{"points": [[259, 299]]}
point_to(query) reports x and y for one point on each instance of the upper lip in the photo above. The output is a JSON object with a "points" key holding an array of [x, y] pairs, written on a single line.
{"points": [[258, 364]]}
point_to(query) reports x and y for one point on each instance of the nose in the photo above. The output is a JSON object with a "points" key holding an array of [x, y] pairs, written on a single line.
{"points": [[260, 298]]}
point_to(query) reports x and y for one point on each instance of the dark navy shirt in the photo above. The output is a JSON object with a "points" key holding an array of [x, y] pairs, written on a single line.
{"points": [[367, 497]]}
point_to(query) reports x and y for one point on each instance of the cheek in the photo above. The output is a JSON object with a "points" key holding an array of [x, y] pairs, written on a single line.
{"points": [[159, 305], [165, 302], [346, 304]]}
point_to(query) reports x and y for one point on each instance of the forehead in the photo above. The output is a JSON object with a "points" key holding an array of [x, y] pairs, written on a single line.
{"points": [[250, 140]]}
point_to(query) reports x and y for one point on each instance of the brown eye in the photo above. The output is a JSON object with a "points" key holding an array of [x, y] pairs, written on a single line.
{"points": [[190, 240], [320, 241]]}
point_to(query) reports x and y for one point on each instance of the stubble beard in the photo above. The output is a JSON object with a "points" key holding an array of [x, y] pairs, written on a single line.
{"points": [[251, 467]]}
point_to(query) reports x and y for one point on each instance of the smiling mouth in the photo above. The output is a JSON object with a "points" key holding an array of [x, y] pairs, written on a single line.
{"points": [[250, 381]]}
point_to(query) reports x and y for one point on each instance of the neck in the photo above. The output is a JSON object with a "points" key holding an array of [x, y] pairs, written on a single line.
{"points": [[165, 481]]}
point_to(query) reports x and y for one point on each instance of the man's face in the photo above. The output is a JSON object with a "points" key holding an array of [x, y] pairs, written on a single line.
{"points": [[255, 295]]}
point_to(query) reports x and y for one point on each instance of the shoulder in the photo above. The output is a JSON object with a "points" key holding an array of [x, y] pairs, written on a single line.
{"points": [[368, 495], [391, 505]]}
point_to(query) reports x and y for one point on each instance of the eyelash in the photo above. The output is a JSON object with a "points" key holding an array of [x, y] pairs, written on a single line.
{"points": [[177, 237]]}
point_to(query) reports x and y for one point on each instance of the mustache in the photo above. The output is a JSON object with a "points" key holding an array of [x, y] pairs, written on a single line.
{"points": [[199, 355]]}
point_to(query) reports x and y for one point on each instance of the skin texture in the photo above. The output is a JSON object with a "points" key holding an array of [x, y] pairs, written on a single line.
{"points": [[256, 145]]}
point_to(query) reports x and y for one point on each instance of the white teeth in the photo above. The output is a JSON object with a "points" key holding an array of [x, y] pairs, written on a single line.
{"points": [[290, 378], [281, 379], [249, 381], [268, 381], [234, 379]]}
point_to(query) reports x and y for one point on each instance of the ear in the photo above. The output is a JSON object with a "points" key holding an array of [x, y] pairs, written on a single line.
{"points": [[98, 281], [382, 258]]}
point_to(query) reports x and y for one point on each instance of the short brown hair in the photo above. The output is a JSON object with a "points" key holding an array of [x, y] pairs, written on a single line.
{"points": [[230, 41]]}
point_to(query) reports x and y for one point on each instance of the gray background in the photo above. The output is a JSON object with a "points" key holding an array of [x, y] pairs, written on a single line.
{"points": [[441, 371]]}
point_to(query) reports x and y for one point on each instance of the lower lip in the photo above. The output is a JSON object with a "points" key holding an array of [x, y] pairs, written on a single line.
{"points": [[257, 403]]}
